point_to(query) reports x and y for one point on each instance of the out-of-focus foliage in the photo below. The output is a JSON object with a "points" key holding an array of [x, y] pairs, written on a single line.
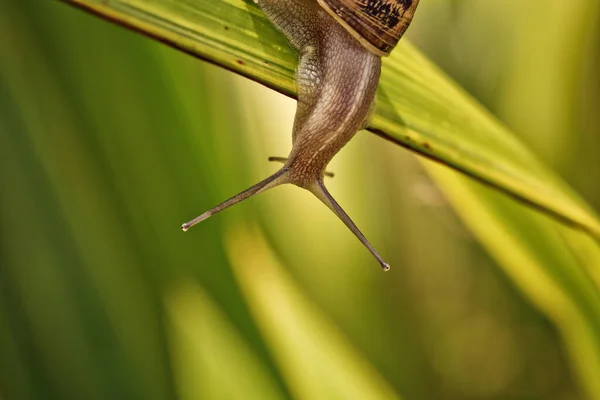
{"points": [[109, 141]]}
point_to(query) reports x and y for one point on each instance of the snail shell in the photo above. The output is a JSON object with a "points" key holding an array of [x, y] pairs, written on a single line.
{"points": [[377, 24]]}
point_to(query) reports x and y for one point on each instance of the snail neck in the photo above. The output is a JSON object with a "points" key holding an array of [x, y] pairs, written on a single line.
{"points": [[336, 83]]}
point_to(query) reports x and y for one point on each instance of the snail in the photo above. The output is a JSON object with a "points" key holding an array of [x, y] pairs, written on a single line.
{"points": [[340, 43]]}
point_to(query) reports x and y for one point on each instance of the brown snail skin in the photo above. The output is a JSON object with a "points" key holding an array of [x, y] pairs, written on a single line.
{"points": [[336, 79]]}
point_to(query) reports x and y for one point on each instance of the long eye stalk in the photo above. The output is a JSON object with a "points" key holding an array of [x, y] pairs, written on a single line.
{"points": [[319, 190], [276, 179]]}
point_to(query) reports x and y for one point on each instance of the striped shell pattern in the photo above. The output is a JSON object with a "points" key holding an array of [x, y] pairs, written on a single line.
{"points": [[377, 24]]}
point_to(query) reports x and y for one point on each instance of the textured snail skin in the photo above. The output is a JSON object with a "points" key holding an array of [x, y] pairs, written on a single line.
{"points": [[336, 83]]}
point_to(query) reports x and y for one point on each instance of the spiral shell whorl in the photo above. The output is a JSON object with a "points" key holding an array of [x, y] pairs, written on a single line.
{"points": [[377, 24]]}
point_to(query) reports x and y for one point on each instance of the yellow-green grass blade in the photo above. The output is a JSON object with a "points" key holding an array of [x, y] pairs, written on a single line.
{"points": [[316, 360], [211, 358], [555, 266], [418, 106]]}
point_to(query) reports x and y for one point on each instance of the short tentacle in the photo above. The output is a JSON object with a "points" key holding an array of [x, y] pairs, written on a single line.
{"points": [[284, 160]]}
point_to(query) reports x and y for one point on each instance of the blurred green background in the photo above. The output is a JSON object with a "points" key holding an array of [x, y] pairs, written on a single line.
{"points": [[109, 141]]}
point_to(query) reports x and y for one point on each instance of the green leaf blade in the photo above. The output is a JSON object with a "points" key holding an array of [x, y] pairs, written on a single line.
{"points": [[425, 111], [419, 107]]}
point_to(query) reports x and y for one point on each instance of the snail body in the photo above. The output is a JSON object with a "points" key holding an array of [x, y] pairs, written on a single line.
{"points": [[337, 78]]}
